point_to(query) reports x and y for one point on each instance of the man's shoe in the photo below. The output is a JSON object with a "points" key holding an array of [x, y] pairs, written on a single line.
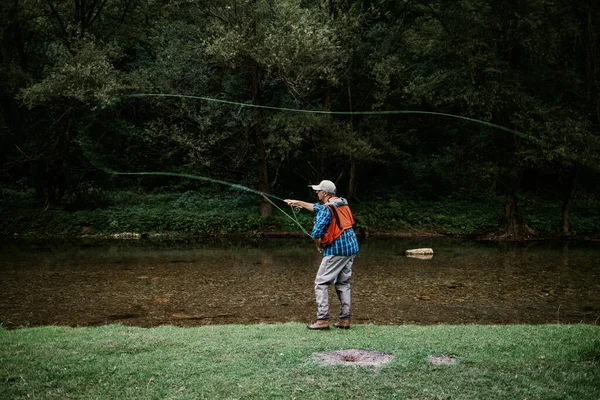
{"points": [[342, 324], [320, 325]]}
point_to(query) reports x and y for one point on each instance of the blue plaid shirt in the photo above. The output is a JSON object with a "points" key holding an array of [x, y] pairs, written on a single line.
{"points": [[345, 245]]}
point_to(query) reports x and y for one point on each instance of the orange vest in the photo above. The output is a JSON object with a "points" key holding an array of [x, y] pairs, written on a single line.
{"points": [[341, 219]]}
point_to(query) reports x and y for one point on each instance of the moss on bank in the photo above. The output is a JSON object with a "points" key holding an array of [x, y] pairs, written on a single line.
{"points": [[194, 214]]}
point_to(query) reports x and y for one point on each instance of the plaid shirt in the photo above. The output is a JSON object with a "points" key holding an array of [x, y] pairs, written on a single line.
{"points": [[345, 245]]}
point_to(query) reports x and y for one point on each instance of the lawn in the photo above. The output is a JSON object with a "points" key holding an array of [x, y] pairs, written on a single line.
{"points": [[276, 361]]}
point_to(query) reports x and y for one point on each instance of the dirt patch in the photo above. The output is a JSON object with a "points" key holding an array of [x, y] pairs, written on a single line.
{"points": [[443, 360], [353, 357]]}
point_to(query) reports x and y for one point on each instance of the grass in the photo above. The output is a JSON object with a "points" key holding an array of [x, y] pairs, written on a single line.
{"points": [[273, 361]]}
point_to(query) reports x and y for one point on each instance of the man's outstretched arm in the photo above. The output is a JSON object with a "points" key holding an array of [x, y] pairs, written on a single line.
{"points": [[303, 204]]}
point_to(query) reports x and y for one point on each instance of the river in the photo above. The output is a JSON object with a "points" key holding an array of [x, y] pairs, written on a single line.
{"points": [[149, 283]]}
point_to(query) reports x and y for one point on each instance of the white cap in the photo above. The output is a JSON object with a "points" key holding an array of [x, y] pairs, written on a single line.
{"points": [[326, 186]]}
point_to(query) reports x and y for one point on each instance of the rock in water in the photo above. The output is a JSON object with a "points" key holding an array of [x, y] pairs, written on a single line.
{"points": [[419, 251], [420, 256]]}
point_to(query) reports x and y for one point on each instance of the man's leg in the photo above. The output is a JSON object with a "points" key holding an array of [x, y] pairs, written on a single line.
{"points": [[342, 288], [330, 268]]}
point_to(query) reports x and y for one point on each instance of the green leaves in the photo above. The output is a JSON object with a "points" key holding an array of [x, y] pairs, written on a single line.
{"points": [[289, 42], [85, 74], [530, 66]]}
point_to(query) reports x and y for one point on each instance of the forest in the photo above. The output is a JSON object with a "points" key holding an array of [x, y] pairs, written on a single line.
{"points": [[410, 106]]}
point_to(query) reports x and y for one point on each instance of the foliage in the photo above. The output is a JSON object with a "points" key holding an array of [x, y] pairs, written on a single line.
{"points": [[190, 214], [291, 43], [69, 67], [83, 73], [451, 217]]}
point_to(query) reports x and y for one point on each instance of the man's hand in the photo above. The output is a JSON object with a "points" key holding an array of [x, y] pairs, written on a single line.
{"points": [[290, 202], [318, 244]]}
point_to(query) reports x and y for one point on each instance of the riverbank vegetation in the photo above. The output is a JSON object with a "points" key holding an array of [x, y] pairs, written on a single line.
{"points": [[453, 117], [195, 214], [276, 361]]}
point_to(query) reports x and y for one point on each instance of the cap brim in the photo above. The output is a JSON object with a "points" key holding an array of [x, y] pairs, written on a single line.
{"points": [[315, 187]]}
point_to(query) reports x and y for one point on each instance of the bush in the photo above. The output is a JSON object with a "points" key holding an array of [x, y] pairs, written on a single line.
{"points": [[197, 214]]}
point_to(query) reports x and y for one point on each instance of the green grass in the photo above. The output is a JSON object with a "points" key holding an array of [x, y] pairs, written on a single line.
{"points": [[274, 361]]}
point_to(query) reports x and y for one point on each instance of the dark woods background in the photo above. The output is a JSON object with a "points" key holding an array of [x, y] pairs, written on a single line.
{"points": [[533, 66]]}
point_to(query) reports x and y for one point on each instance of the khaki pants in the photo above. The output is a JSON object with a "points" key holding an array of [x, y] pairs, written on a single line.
{"points": [[335, 270]]}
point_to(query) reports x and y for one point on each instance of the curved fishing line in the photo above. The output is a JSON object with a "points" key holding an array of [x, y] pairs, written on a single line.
{"points": [[305, 111], [212, 180], [540, 142], [294, 218], [196, 177]]}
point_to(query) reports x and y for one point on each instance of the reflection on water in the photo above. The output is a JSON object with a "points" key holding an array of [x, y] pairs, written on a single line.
{"points": [[147, 283]]}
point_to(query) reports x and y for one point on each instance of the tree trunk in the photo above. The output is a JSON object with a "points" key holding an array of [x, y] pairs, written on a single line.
{"points": [[589, 44], [49, 183], [352, 179], [353, 162], [266, 209], [513, 224], [566, 207], [48, 171], [327, 100]]}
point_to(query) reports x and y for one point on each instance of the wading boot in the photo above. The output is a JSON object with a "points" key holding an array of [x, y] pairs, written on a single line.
{"points": [[342, 324], [320, 325]]}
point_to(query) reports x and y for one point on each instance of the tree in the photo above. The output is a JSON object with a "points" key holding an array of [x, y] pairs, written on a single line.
{"points": [[263, 53], [67, 53], [500, 62]]}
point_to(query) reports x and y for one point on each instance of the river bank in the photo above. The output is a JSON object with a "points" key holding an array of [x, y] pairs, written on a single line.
{"points": [[193, 215]]}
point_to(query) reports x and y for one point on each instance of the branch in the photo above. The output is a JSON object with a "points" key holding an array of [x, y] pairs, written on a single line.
{"points": [[100, 8], [61, 23], [437, 17], [126, 10]]}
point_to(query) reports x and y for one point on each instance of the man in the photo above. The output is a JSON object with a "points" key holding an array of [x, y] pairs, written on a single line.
{"points": [[335, 239]]}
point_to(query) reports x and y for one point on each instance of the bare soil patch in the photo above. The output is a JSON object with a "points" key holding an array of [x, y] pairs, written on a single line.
{"points": [[442, 360], [353, 357]]}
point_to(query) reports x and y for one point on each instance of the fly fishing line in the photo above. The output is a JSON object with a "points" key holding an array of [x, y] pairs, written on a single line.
{"points": [[266, 196], [540, 142], [233, 186], [348, 113]]}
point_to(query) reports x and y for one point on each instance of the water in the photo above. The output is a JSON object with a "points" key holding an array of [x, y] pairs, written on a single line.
{"points": [[147, 283]]}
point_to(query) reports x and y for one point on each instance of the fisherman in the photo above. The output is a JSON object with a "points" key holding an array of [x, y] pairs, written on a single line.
{"points": [[335, 239]]}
